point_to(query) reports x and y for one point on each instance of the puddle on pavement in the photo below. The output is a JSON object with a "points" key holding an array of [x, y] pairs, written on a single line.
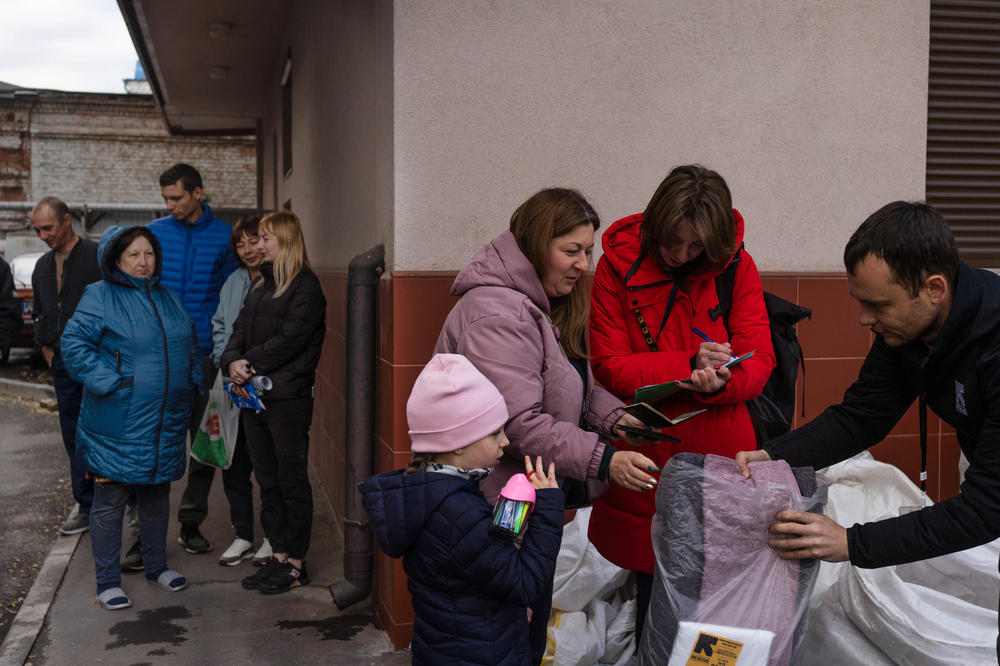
{"points": [[338, 628], [152, 626]]}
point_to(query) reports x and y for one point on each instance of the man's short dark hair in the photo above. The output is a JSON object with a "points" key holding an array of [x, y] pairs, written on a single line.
{"points": [[56, 205], [912, 238], [187, 174]]}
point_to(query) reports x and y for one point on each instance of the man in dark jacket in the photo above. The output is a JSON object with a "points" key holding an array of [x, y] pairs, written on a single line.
{"points": [[58, 281], [10, 311], [937, 340], [196, 261]]}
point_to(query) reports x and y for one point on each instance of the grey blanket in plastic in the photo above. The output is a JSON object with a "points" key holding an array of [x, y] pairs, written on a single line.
{"points": [[713, 565]]}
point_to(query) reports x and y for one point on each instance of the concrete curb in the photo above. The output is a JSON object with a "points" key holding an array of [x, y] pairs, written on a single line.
{"points": [[31, 616], [15, 388]]}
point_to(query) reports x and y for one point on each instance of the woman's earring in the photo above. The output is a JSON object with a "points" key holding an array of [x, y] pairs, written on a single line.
{"points": [[457, 452]]}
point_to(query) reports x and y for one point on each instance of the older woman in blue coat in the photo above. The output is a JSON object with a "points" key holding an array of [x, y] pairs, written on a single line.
{"points": [[133, 346]]}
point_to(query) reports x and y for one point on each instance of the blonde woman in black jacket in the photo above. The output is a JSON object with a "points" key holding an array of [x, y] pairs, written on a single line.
{"points": [[279, 334]]}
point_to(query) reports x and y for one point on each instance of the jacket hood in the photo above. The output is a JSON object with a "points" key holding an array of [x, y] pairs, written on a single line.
{"points": [[399, 505], [110, 249], [622, 243], [502, 264]]}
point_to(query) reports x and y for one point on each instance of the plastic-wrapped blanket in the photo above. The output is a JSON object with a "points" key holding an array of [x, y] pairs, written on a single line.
{"points": [[713, 564]]}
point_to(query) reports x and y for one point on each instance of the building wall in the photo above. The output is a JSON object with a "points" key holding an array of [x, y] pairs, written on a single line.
{"points": [[15, 159], [341, 180], [95, 148], [815, 113], [422, 124], [112, 149]]}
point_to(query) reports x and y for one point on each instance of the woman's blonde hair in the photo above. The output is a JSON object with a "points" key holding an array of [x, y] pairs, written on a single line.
{"points": [[284, 225], [547, 214]]}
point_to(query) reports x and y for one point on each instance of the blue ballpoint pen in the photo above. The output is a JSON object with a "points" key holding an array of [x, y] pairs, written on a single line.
{"points": [[702, 335], [707, 339]]}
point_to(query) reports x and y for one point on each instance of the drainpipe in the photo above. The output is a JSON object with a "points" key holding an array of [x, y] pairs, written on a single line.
{"points": [[362, 299]]}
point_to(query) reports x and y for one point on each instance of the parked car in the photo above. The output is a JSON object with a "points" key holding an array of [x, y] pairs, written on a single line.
{"points": [[22, 266]]}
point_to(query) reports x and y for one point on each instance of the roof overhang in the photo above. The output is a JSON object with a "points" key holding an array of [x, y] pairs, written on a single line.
{"points": [[210, 63]]}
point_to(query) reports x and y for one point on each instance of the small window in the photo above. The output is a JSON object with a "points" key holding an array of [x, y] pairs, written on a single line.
{"points": [[286, 117]]}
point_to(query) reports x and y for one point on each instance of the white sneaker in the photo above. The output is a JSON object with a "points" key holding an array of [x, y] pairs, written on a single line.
{"points": [[263, 554], [236, 553]]}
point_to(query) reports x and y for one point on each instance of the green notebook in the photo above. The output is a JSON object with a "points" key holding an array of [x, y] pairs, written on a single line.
{"points": [[653, 393]]}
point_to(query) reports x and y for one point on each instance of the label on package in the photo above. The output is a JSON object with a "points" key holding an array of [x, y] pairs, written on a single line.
{"points": [[714, 650]]}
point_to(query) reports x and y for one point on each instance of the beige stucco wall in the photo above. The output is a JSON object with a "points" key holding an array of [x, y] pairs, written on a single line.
{"points": [[341, 179], [814, 111]]}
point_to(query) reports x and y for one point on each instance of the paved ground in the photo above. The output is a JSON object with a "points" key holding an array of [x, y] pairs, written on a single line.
{"points": [[215, 621], [24, 366], [35, 497]]}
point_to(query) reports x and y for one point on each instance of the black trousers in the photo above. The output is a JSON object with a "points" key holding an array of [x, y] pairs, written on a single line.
{"points": [[194, 501], [69, 395], [239, 489], [643, 593], [278, 440]]}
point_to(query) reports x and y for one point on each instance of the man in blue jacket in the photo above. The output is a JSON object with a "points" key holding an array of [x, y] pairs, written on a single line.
{"points": [[196, 261], [937, 342]]}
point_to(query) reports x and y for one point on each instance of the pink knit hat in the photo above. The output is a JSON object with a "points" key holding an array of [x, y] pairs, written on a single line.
{"points": [[452, 405]]}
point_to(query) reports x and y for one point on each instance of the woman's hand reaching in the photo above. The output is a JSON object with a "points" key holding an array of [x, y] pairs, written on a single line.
{"points": [[630, 469], [537, 476]]}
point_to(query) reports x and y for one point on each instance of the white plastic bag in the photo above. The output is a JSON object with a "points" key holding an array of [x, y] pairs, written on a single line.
{"points": [[937, 611], [593, 604], [215, 440]]}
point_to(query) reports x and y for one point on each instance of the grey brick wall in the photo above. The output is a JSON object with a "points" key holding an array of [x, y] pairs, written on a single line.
{"points": [[109, 149], [113, 151]]}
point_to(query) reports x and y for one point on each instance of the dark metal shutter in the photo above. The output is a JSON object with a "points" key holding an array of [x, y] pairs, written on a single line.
{"points": [[963, 124]]}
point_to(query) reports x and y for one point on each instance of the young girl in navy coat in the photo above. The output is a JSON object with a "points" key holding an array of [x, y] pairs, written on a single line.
{"points": [[470, 588]]}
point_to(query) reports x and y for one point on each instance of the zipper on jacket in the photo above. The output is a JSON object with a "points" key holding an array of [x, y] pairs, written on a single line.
{"points": [[118, 361], [166, 384], [186, 272]]}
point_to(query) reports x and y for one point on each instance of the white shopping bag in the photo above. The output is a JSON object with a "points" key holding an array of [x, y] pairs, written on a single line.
{"points": [[216, 438]]}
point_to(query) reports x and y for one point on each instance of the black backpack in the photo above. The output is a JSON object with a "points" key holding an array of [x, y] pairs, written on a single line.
{"points": [[772, 411]]}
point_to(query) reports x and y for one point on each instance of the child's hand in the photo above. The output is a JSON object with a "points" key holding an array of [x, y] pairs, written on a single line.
{"points": [[537, 477]]}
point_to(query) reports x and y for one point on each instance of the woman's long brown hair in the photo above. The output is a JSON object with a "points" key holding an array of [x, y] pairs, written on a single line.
{"points": [[547, 214]]}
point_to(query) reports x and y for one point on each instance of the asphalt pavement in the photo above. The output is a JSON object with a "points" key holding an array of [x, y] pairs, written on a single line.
{"points": [[35, 497], [214, 621]]}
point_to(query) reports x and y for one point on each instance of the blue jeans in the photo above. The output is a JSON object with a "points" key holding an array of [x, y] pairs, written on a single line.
{"points": [[69, 394], [106, 528]]}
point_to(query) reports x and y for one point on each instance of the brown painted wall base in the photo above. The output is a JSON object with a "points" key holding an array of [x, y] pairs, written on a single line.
{"points": [[412, 309]]}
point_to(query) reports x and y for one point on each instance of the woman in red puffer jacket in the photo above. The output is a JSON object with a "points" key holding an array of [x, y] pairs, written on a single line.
{"points": [[653, 286]]}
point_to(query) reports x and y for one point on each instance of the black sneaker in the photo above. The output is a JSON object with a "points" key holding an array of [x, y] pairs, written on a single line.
{"points": [[133, 558], [192, 540], [253, 581], [75, 524], [284, 578]]}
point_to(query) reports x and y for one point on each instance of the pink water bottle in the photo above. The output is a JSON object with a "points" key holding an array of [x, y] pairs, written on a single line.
{"points": [[515, 502]]}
